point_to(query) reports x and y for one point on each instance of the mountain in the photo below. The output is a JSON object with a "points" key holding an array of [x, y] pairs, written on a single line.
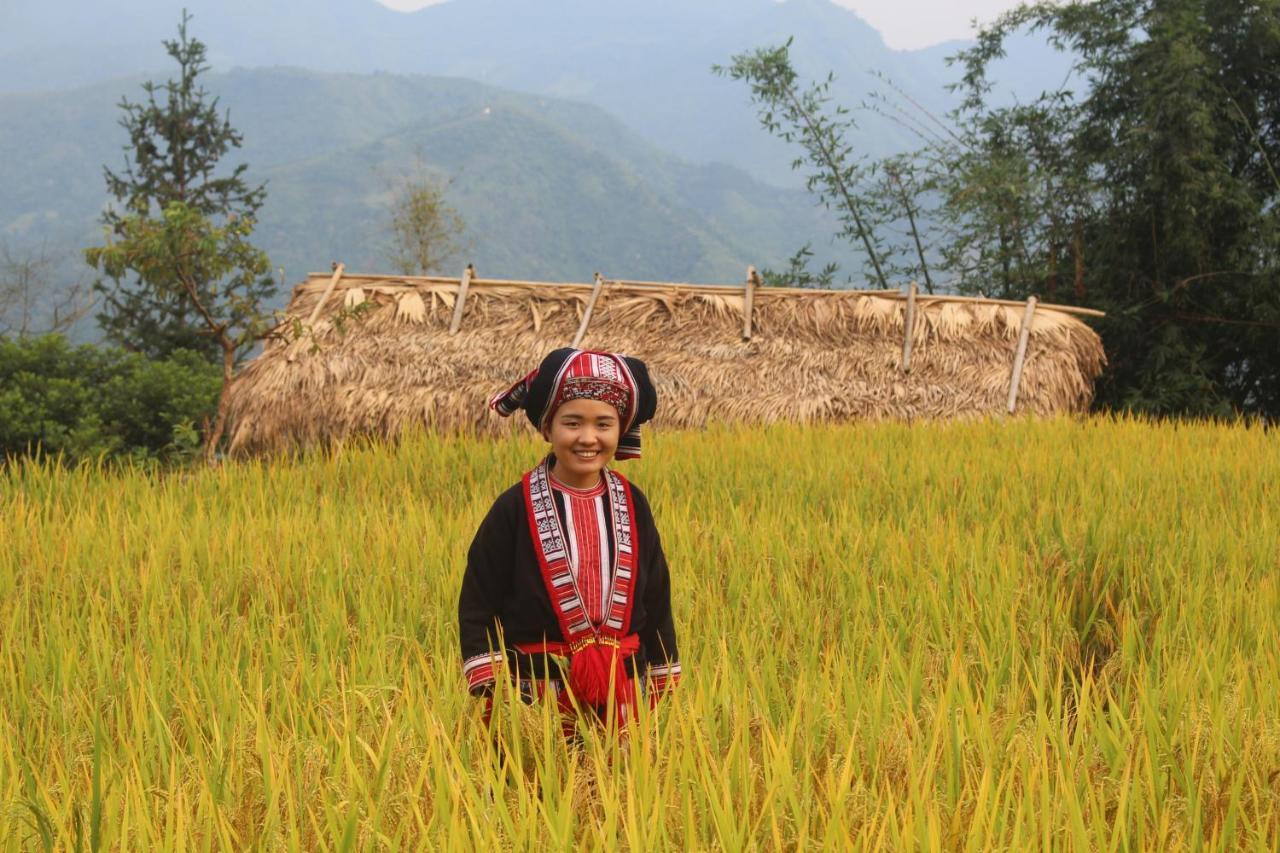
{"points": [[549, 188], [588, 135], [647, 62]]}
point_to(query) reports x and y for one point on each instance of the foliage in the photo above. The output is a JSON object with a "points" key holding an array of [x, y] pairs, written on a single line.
{"points": [[1160, 196], [1150, 193], [952, 636], [803, 116], [799, 274], [1014, 203], [899, 196], [215, 269], [426, 231], [79, 403], [182, 255], [174, 156]]}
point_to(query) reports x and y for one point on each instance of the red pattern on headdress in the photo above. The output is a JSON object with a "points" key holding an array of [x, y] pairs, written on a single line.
{"points": [[591, 375]]}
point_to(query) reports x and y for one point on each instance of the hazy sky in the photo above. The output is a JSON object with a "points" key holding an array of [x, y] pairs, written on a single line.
{"points": [[905, 24]]}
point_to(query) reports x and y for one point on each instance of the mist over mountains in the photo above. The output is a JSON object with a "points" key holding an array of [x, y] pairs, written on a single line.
{"points": [[579, 135], [548, 188], [645, 61]]}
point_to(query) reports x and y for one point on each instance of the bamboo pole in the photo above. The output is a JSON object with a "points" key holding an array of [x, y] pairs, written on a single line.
{"points": [[1047, 306], [1023, 334], [614, 284], [463, 285], [748, 299], [591, 307], [680, 287], [909, 327], [338, 269]]}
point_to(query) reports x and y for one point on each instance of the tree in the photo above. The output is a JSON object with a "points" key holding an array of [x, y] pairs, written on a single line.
{"points": [[426, 231], [29, 305], [897, 198], [1013, 200], [798, 273], [183, 257], [1168, 194], [1151, 193], [804, 116], [177, 139]]}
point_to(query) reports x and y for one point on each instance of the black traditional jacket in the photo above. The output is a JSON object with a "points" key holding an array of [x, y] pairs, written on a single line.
{"points": [[504, 601]]}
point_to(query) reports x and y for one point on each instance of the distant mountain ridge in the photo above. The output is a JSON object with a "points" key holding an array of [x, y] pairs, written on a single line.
{"points": [[608, 137], [549, 188], [645, 61]]}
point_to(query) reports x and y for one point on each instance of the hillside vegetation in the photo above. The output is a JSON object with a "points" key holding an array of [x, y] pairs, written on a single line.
{"points": [[983, 635], [549, 188]]}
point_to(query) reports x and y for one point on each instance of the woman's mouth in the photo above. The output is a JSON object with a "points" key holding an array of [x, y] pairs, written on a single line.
{"points": [[586, 454]]}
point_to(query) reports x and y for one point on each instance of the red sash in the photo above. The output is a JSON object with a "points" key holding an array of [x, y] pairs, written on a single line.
{"points": [[596, 652]]}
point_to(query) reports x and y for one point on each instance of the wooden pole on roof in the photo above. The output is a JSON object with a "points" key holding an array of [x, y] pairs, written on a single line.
{"points": [[324, 297], [1023, 334], [591, 307], [753, 281], [465, 284], [909, 327]]}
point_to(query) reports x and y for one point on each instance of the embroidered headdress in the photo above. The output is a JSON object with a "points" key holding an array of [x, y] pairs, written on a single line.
{"points": [[570, 374]]}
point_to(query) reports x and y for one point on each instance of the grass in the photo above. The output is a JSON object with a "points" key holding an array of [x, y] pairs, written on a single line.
{"points": [[1058, 634]]}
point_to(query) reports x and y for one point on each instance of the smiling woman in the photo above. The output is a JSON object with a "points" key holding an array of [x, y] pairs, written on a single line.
{"points": [[566, 584]]}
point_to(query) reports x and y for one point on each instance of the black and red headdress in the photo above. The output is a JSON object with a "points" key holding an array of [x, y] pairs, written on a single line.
{"points": [[570, 374]]}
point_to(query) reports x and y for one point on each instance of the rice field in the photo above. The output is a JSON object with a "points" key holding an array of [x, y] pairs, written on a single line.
{"points": [[1011, 635]]}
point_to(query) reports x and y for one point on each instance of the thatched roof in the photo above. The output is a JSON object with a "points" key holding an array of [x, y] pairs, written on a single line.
{"points": [[379, 357]]}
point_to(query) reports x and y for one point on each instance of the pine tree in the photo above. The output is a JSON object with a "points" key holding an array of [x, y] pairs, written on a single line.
{"points": [[177, 139]]}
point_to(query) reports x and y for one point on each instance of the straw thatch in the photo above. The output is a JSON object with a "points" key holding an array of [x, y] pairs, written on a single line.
{"points": [[379, 356]]}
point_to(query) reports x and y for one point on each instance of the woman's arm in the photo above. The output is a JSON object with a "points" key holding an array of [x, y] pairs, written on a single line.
{"points": [[658, 634], [484, 587]]}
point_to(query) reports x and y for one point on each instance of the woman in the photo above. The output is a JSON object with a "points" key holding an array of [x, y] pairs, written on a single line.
{"points": [[566, 583]]}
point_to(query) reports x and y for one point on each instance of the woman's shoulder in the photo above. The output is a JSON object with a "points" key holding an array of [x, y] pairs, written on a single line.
{"points": [[508, 506], [512, 498]]}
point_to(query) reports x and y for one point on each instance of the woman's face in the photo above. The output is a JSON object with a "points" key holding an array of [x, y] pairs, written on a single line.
{"points": [[584, 436]]}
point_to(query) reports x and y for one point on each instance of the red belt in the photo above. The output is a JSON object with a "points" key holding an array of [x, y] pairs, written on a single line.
{"points": [[594, 661]]}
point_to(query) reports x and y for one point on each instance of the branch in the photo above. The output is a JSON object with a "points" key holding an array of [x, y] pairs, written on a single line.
{"points": [[840, 185]]}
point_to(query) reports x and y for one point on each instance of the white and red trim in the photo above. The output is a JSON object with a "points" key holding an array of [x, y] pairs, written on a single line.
{"points": [[663, 677], [480, 670]]}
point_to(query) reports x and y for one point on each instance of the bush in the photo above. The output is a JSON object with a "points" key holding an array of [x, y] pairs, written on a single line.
{"points": [[89, 401]]}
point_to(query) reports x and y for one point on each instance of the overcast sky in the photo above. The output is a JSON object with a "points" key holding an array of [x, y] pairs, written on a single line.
{"points": [[905, 24]]}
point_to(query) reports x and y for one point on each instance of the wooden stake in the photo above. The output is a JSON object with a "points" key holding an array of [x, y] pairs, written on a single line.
{"points": [[748, 299], [591, 307], [909, 325], [1023, 334], [324, 297], [456, 323]]}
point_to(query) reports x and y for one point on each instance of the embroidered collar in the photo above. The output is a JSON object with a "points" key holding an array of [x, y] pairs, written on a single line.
{"points": [[573, 491], [551, 549]]}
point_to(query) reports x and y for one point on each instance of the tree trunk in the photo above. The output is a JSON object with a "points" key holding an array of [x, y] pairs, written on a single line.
{"points": [[220, 422], [1079, 258]]}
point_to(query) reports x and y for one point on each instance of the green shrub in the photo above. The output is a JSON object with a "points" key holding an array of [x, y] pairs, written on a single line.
{"points": [[89, 401]]}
